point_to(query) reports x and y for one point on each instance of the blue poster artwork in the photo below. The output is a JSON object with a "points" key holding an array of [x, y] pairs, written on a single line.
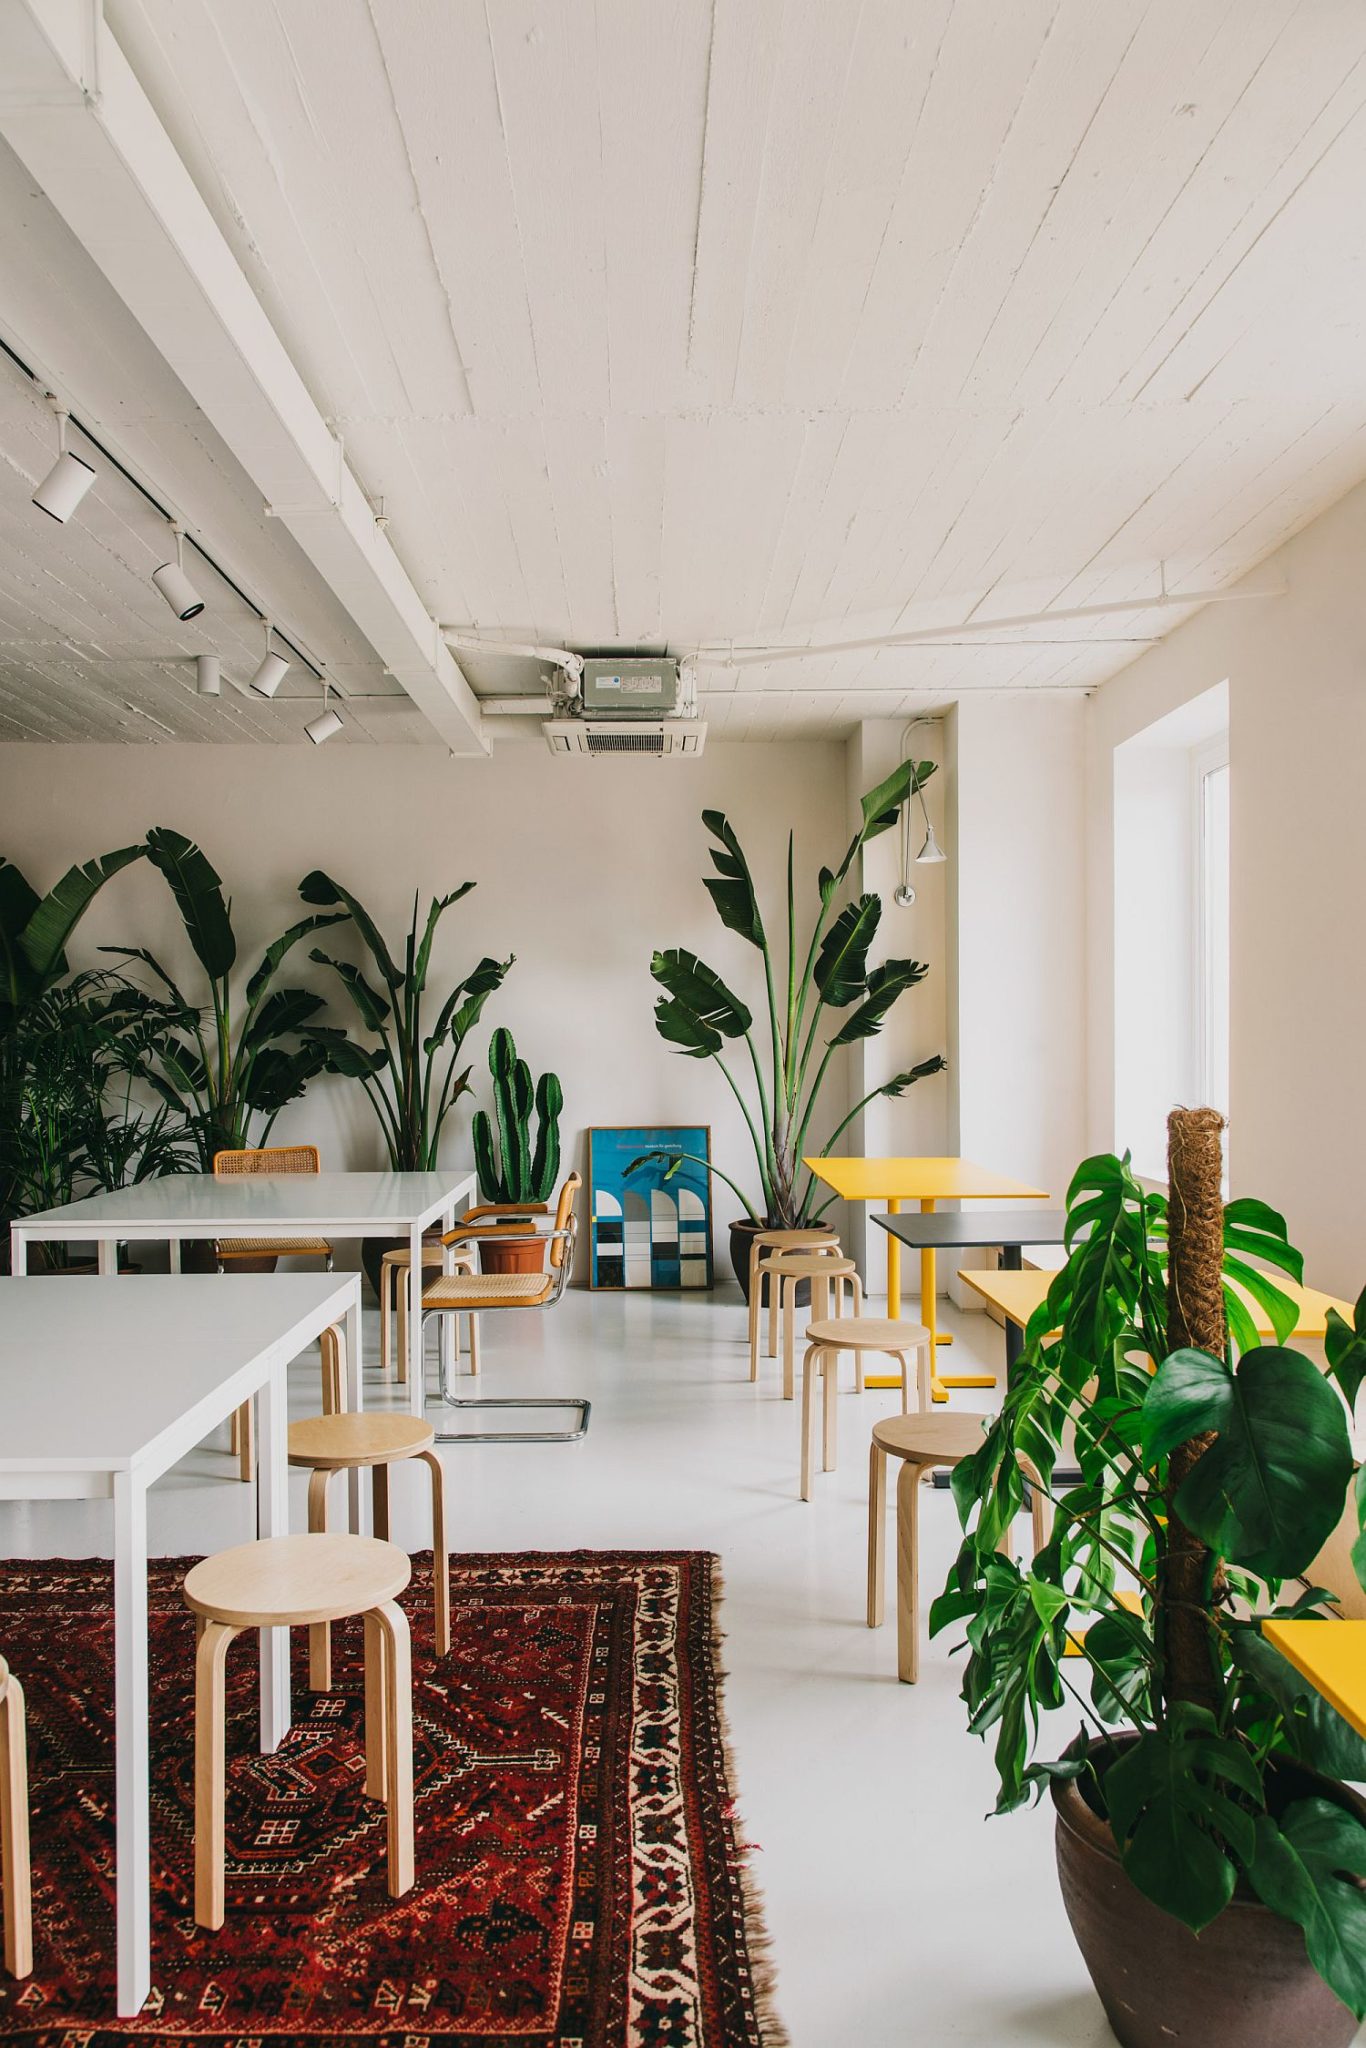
{"points": [[650, 1228]]}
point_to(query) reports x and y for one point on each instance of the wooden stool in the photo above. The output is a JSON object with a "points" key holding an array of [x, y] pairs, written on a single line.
{"points": [[14, 1872], [338, 1442], [770, 1241], [395, 1264], [785, 1272], [296, 1582], [922, 1442], [825, 1341]]}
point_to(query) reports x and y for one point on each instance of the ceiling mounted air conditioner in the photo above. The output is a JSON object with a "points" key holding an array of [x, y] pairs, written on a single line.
{"points": [[662, 738]]}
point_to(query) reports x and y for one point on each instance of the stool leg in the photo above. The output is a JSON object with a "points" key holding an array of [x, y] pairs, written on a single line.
{"points": [[810, 1367], [331, 1347], [877, 1530], [401, 1289], [441, 1563], [379, 1481], [789, 1293], [320, 1633], [210, 1661], [14, 1870], [386, 1299], [924, 1365], [246, 1443], [756, 1288], [830, 1373], [474, 1345], [904, 1363], [907, 1573], [398, 1760], [775, 1288], [376, 1708]]}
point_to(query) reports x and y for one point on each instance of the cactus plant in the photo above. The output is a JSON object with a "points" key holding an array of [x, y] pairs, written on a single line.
{"points": [[509, 1171]]}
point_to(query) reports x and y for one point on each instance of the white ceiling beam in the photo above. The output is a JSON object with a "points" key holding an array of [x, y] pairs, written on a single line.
{"points": [[75, 114]]}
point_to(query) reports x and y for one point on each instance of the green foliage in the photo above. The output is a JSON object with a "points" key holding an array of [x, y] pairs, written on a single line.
{"points": [[227, 1072], [509, 1169], [1198, 1798], [699, 1015], [411, 1073]]}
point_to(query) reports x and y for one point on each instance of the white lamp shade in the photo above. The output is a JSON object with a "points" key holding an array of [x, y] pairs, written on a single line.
{"points": [[931, 852], [62, 489], [269, 676], [178, 591], [323, 726], [208, 675]]}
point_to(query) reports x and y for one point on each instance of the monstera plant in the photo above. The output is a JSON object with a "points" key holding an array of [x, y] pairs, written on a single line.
{"points": [[1194, 1472], [820, 994], [228, 1069]]}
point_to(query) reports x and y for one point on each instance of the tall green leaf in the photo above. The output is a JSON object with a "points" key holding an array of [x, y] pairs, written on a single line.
{"points": [[52, 921], [841, 971], [198, 893], [316, 887], [886, 985], [734, 894], [680, 1026], [700, 989]]}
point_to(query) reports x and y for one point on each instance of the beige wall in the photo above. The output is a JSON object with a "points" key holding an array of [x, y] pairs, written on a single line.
{"points": [[1296, 670], [582, 867]]}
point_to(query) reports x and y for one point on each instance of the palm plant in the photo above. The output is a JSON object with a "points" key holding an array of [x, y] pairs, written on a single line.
{"points": [[1206, 1482], [228, 1071], [412, 1075], [698, 1014]]}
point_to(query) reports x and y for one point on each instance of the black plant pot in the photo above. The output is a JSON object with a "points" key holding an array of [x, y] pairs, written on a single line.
{"points": [[742, 1235]]}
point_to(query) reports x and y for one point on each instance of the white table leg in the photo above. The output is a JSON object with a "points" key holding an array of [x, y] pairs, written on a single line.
{"points": [[18, 1252], [133, 1878], [173, 1255], [107, 1254], [272, 1519], [447, 1323], [357, 1495], [417, 1390]]}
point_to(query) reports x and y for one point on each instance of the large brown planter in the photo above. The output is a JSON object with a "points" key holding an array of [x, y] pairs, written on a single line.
{"points": [[742, 1233], [512, 1258], [1246, 1982]]}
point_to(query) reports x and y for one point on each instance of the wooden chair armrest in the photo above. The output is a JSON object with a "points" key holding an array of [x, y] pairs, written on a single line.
{"points": [[495, 1233], [506, 1209]]}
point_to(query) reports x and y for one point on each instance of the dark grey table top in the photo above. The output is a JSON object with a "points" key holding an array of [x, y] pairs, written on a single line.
{"points": [[952, 1229]]}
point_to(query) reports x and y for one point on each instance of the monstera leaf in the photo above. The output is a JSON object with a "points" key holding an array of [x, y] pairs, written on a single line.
{"points": [[1173, 1806]]}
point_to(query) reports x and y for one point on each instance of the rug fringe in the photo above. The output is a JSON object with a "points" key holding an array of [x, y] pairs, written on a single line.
{"points": [[758, 1941]]}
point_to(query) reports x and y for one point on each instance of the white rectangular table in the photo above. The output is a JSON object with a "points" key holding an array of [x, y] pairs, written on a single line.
{"points": [[199, 1205], [104, 1385]]}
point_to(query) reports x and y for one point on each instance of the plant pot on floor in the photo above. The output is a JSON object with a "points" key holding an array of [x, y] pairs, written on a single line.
{"points": [[742, 1234], [1245, 1982], [512, 1258]]}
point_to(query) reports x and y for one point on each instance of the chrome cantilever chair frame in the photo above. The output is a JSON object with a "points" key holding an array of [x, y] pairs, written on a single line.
{"points": [[520, 1229]]}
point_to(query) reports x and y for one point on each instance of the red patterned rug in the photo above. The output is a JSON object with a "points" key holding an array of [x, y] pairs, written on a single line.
{"points": [[579, 1873]]}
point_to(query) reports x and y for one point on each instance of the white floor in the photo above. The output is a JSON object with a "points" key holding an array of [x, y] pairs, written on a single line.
{"points": [[899, 1913]]}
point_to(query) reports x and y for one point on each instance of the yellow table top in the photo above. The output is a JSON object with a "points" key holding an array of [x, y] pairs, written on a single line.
{"points": [[1017, 1295], [918, 1180], [1332, 1656]]}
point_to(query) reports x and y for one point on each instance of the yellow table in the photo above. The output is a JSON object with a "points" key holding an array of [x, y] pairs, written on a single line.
{"points": [[1332, 1656], [891, 1182], [1017, 1295]]}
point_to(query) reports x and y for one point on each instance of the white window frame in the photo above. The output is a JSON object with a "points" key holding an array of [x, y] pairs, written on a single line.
{"points": [[1206, 760]]}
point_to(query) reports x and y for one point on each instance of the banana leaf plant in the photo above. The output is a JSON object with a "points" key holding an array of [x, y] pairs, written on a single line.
{"points": [[34, 931], [412, 1075], [510, 1168], [227, 1068], [823, 974], [1210, 1478]]}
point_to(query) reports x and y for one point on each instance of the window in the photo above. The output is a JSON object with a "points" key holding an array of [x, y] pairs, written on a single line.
{"points": [[1212, 924]]}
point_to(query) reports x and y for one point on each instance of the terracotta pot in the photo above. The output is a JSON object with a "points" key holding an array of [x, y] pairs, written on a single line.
{"points": [[512, 1258], [1246, 1982]]}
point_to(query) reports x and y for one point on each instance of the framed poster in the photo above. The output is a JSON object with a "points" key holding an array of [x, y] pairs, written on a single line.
{"points": [[650, 1228]]}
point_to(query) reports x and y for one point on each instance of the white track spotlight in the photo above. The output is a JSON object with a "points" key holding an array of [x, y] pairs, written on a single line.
{"points": [[327, 723], [175, 586], [69, 478], [208, 675], [272, 671]]}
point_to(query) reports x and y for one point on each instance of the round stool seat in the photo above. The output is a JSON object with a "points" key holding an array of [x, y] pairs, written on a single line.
{"points": [[368, 1438], [292, 1581], [796, 1238], [868, 1333], [807, 1265], [930, 1439]]}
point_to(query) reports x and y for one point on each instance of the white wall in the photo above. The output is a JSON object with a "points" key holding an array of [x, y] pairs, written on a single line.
{"points": [[1296, 670], [582, 868]]}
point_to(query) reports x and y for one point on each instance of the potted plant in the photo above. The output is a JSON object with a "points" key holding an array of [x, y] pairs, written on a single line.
{"points": [[826, 974], [511, 1172], [228, 1071], [411, 1074], [1210, 1851]]}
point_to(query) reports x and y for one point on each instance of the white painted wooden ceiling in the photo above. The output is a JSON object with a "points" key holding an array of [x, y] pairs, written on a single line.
{"points": [[696, 322]]}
